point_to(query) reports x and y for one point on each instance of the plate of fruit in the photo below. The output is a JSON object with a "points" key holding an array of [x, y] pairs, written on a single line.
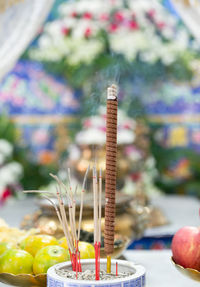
{"points": [[186, 251], [26, 263], [25, 256]]}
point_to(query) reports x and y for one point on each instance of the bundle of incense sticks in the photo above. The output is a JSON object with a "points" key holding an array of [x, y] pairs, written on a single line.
{"points": [[97, 195], [68, 224]]}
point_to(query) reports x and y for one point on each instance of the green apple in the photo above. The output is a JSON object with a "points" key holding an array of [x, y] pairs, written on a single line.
{"points": [[49, 256], [4, 246], [16, 261]]}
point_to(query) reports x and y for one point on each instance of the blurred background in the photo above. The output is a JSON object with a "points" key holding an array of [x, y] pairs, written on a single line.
{"points": [[56, 60]]}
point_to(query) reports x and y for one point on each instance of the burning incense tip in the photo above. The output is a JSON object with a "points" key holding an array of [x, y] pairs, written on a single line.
{"points": [[112, 92]]}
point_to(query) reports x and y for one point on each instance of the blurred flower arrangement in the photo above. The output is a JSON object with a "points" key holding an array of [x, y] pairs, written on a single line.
{"points": [[17, 170], [11, 171], [91, 36]]}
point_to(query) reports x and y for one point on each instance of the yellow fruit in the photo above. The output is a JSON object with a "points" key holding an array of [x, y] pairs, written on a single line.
{"points": [[49, 256], [16, 261], [4, 246], [63, 242], [33, 243], [86, 249]]}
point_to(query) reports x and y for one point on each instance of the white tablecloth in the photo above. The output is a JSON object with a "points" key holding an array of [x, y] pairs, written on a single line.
{"points": [[159, 268], [179, 210]]}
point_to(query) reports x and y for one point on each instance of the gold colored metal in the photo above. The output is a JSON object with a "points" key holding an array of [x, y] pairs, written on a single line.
{"points": [[108, 264], [86, 158], [131, 220], [189, 272], [26, 280]]}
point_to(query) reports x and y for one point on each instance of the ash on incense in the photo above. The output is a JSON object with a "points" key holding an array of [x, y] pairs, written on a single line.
{"points": [[90, 275]]}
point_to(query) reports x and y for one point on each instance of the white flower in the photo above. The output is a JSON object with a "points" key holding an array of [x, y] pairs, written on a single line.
{"points": [[6, 148], [83, 25], [10, 173], [145, 42], [128, 44], [2, 159], [91, 136], [87, 53]]}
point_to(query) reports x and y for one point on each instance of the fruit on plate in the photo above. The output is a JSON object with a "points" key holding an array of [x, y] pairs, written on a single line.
{"points": [[186, 247], [86, 249], [33, 243], [16, 261], [4, 246], [63, 242], [49, 256]]}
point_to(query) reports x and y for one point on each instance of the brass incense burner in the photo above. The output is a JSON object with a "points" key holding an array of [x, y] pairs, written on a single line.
{"points": [[131, 219]]}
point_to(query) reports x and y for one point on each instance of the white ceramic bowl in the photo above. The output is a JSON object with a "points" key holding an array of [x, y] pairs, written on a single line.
{"points": [[135, 280]]}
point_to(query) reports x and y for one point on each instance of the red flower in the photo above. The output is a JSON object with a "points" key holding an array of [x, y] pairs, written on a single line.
{"points": [[104, 17], [65, 31], [133, 25], [74, 14], [87, 15], [103, 129], [136, 176], [6, 194], [127, 126], [113, 27], [161, 25], [88, 32], [87, 123], [151, 13], [119, 16]]}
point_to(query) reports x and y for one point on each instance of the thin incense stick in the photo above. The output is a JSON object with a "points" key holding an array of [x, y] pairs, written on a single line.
{"points": [[70, 233], [97, 205], [100, 199], [64, 218], [82, 197], [69, 177], [95, 214], [74, 213]]}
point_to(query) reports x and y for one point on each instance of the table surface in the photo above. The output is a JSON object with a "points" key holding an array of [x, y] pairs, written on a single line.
{"points": [[180, 211], [160, 272]]}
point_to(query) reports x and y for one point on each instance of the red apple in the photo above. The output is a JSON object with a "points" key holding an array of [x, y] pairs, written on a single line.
{"points": [[186, 247]]}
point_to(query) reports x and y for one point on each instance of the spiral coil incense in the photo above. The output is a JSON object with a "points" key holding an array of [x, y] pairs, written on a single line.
{"points": [[111, 154]]}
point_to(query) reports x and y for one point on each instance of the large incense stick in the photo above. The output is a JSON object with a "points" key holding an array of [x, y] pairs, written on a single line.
{"points": [[111, 155]]}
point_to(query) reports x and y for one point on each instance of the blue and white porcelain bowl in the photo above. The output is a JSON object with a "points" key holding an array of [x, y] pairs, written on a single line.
{"points": [[137, 279]]}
